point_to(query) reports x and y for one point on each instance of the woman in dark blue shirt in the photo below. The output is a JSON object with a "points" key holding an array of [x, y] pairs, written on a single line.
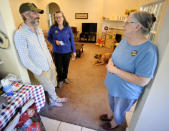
{"points": [[61, 37]]}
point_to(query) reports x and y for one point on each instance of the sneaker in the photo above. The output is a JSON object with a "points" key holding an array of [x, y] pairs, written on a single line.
{"points": [[60, 84], [57, 104], [66, 81], [54, 103], [61, 100]]}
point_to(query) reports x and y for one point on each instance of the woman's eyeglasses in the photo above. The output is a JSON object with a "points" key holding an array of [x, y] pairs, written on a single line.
{"points": [[128, 22], [59, 17]]}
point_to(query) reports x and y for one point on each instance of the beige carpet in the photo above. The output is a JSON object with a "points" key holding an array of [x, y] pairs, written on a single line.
{"points": [[87, 94]]}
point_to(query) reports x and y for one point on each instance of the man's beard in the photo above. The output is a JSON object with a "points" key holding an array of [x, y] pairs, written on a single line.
{"points": [[34, 22]]}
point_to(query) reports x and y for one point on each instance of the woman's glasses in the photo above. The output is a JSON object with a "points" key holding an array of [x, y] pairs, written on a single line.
{"points": [[128, 22], [58, 17]]}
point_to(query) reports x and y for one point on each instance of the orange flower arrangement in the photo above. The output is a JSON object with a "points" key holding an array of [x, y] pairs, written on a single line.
{"points": [[127, 11]]}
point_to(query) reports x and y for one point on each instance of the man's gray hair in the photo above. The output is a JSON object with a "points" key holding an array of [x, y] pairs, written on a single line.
{"points": [[22, 15]]}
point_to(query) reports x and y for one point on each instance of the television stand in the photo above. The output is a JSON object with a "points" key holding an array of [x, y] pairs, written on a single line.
{"points": [[89, 37]]}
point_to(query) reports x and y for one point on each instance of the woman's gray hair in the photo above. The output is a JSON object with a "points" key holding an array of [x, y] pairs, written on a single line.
{"points": [[145, 19]]}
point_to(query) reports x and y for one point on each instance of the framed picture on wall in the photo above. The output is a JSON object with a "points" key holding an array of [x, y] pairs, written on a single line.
{"points": [[81, 15]]}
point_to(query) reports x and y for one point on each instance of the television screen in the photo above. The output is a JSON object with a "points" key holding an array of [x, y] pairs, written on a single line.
{"points": [[89, 27]]}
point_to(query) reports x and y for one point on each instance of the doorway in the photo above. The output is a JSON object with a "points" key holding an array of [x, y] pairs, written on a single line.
{"points": [[51, 9]]}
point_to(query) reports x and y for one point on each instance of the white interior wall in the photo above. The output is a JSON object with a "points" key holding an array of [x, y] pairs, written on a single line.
{"points": [[114, 8], [9, 56], [70, 7], [96, 9], [15, 4]]}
